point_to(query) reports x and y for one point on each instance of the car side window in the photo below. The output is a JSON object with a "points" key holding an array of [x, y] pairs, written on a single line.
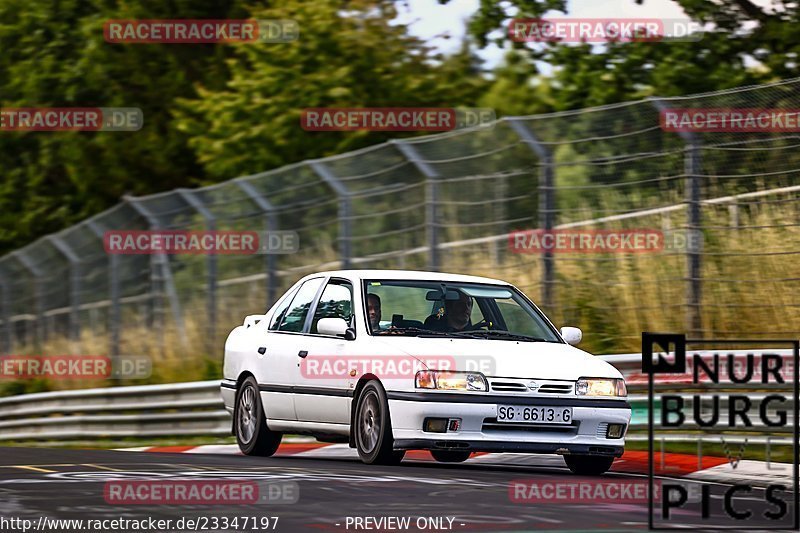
{"points": [[295, 317], [477, 315], [280, 312], [336, 302]]}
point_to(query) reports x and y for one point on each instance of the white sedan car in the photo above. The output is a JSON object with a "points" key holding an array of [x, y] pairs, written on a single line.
{"points": [[390, 361]]}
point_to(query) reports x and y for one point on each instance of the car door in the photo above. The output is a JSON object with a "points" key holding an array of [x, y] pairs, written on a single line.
{"points": [[323, 383], [279, 362]]}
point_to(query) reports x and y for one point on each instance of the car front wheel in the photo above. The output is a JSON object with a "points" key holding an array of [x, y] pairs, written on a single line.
{"points": [[250, 424], [373, 427], [588, 465]]}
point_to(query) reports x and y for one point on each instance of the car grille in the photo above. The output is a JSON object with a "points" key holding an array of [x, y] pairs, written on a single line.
{"points": [[491, 425], [553, 388], [521, 386], [508, 386]]}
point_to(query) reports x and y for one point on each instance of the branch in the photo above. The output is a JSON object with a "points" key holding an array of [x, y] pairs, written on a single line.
{"points": [[751, 10]]}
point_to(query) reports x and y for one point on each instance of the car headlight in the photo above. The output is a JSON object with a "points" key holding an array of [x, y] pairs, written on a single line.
{"points": [[450, 380], [600, 387]]}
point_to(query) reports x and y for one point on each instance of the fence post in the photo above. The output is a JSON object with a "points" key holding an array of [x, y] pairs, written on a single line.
{"points": [[271, 224], [74, 285], [39, 329], [733, 212], [431, 200], [691, 162], [547, 203], [114, 315], [345, 208], [500, 213], [211, 259], [160, 266], [6, 342]]}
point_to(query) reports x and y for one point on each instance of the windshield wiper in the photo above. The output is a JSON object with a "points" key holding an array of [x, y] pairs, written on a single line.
{"points": [[488, 333], [470, 334], [409, 329]]}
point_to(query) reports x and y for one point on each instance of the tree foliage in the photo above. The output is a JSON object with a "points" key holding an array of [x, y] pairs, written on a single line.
{"points": [[214, 112], [343, 59], [210, 111], [745, 44], [55, 55]]}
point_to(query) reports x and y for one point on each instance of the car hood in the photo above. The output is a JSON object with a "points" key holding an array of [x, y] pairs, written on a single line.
{"points": [[510, 359]]}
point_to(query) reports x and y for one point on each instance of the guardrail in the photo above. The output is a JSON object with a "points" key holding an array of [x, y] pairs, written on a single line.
{"points": [[173, 409], [196, 409]]}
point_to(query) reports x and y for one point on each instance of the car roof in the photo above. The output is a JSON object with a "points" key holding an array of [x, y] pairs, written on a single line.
{"points": [[409, 275]]}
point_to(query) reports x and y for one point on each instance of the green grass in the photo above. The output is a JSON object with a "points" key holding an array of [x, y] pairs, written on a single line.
{"points": [[613, 298], [754, 452]]}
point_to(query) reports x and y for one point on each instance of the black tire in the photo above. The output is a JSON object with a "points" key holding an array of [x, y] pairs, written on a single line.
{"points": [[450, 456], [250, 424], [588, 465], [373, 427]]}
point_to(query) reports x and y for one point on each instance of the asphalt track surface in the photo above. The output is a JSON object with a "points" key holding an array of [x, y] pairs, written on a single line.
{"points": [[69, 484]]}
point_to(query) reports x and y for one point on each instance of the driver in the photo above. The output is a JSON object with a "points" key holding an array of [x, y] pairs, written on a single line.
{"points": [[374, 311], [456, 316]]}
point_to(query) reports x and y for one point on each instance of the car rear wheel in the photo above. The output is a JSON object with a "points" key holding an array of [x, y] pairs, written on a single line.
{"points": [[588, 465], [373, 427], [250, 424], [450, 456]]}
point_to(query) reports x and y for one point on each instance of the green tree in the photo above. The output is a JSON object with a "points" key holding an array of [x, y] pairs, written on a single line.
{"points": [[243, 120], [749, 44], [517, 90], [352, 58], [55, 55]]}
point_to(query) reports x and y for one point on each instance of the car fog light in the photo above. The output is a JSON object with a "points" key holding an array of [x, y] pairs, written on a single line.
{"points": [[435, 425], [615, 431], [454, 425]]}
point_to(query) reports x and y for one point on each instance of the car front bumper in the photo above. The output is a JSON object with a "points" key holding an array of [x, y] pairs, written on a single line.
{"points": [[480, 431]]}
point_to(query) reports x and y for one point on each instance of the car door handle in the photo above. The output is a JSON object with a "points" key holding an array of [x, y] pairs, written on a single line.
{"points": [[302, 353], [262, 350]]}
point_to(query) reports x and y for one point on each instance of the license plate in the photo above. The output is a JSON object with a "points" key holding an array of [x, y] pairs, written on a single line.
{"points": [[530, 414]]}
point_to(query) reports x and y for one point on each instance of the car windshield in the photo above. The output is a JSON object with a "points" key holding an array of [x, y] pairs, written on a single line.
{"points": [[459, 310]]}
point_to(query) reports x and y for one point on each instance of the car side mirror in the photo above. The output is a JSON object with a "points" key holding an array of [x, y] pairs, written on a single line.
{"points": [[335, 326], [252, 320], [571, 335]]}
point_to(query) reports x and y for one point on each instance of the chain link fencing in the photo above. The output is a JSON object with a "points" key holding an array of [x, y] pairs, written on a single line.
{"points": [[449, 202]]}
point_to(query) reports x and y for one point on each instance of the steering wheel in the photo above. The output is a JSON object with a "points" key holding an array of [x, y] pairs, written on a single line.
{"points": [[479, 325]]}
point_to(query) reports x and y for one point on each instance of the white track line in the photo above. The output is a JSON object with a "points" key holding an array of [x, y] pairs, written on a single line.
{"points": [[217, 449], [338, 451], [753, 472]]}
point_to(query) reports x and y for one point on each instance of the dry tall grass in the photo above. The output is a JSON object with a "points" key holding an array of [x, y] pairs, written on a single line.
{"points": [[750, 288]]}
